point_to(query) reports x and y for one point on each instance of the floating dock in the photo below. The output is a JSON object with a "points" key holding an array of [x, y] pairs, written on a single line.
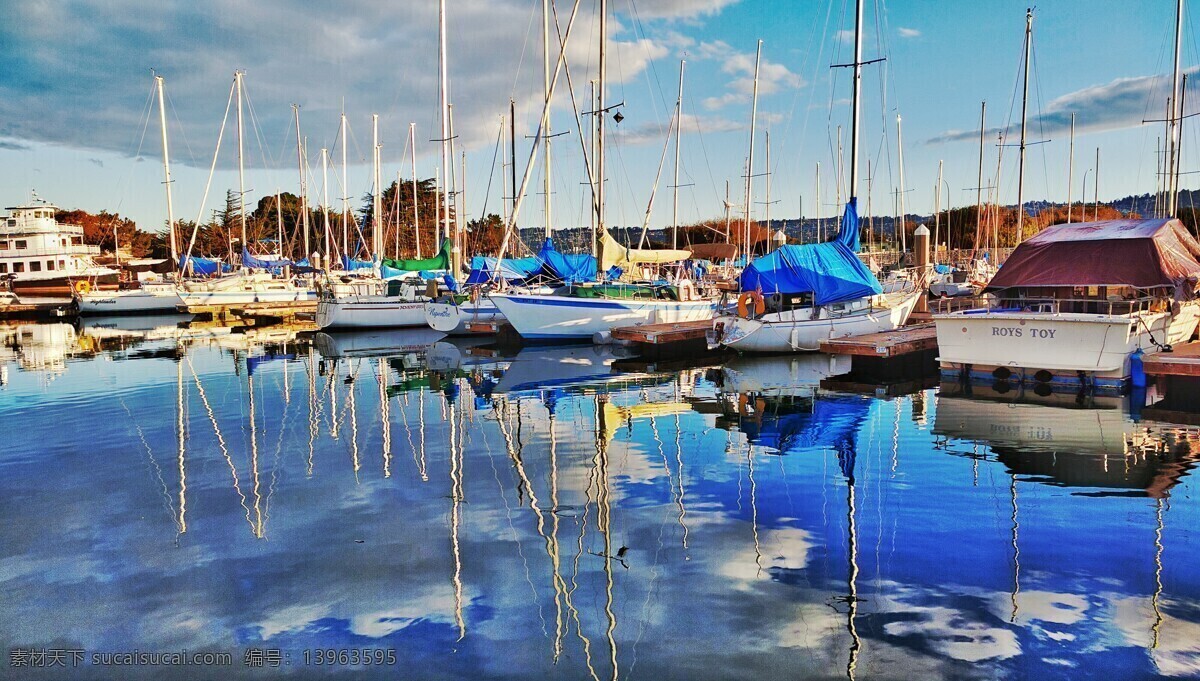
{"points": [[1183, 360], [663, 334], [257, 313], [885, 345]]}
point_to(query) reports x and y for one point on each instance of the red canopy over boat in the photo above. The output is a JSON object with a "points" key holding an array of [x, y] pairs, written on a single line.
{"points": [[1137, 253]]}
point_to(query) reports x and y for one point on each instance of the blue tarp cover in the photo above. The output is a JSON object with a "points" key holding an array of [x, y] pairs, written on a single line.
{"points": [[549, 263], [250, 261], [349, 264], [202, 266], [830, 271]]}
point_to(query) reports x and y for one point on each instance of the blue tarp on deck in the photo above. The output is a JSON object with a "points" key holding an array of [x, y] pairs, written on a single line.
{"points": [[548, 263], [202, 267], [830, 271]]}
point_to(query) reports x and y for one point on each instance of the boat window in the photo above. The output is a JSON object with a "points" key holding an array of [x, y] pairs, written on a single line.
{"points": [[50, 265], [64, 242], [3, 268], [21, 243], [62, 264], [76, 240], [18, 267], [3, 245], [35, 266]]}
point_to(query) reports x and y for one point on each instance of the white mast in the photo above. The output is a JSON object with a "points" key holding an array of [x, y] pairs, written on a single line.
{"points": [[900, 148], [601, 92], [301, 159], [162, 118], [412, 143], [1070, 168], [854, 100], [1024, 106], [237, 76], [979, 183], [545, 109], [1176, 114], [750, 160], [279, 219], [937, 210], [678, 134], [325, 203], [767, 202], [376, 204], [445, 101], [345, 199]]}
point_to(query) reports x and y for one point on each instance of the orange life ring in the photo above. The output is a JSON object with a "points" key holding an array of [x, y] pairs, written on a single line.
{"points": [[760, 305], [83, 286]]}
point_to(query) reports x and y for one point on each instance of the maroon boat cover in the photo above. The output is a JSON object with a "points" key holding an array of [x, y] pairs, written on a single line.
{"points": [[1138, 253], [713, 251]]}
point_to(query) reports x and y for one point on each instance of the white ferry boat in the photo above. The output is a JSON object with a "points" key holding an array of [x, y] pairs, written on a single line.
{"points": [[43, 257]]}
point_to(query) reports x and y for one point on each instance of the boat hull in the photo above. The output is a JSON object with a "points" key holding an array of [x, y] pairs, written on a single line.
{"points": [[369, 312], [990, 345], [796, 331], [453, 319], [138, 301], [541, 317]]}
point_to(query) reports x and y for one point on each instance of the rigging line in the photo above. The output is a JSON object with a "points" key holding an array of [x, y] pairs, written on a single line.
{"points": [[487, 193], [211, 171], [1037, 93], [533, 12], [182, 131]]}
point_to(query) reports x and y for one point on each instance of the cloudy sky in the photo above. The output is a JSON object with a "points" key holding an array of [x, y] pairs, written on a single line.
{"points": [[76, 122]]}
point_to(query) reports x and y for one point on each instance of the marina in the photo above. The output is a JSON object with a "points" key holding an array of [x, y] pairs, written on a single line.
{"points": [[595, 340]]}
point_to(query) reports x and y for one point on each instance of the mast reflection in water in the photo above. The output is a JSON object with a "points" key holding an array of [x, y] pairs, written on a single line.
{"points": [[545, 514]]}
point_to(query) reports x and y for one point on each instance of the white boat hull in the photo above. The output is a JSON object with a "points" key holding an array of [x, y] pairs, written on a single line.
{"points": [[542, 317], [452, 319], [1063, 343], [161, 299], [796, 331], [369, 312]]}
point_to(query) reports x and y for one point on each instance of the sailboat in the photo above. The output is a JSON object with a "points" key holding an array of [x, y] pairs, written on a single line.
{"points": [[797, 296], [254, 282], [373, 301], [149, 297], [584, 311]]}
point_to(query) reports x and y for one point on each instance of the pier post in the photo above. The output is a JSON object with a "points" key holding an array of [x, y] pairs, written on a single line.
{"points": [[921, 254]]}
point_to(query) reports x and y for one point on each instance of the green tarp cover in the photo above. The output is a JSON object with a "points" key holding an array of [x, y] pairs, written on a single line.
{"points": [[441, 261]]}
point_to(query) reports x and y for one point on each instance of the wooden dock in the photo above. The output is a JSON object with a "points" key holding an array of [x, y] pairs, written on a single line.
{"points": [[885, 345], [662, 334], [1184, 360], [488, 328], [257, 313]]}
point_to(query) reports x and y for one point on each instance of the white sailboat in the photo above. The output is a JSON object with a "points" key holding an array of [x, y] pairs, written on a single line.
{"points": [[150, 297], [247, 285], [800, 295], [582, 312], [371, 301]]}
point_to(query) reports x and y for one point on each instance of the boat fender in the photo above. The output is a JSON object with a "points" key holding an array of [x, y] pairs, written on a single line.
{"points": [[1137, 372], [760, 305]]}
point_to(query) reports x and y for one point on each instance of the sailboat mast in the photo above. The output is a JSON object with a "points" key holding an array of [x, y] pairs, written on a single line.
{"points": [[162, 118], [376, 204], [1070, 168], [601, 91], [302, 161], [325, 203], [241, 165], [345, 199], [412, 145], [1176, 114], [937, 211], [979, 183], [855, 103], [1024, 107], [901, 223], [678, 134], [445, 103], [546, 110], [750, 158]]}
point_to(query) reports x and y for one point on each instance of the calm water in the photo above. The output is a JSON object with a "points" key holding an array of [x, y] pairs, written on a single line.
{"points": [[563, 513]]}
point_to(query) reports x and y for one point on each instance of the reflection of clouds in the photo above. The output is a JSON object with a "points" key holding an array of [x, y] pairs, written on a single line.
{"points": [[955, 634], [1178, 649], [1041, 606]]}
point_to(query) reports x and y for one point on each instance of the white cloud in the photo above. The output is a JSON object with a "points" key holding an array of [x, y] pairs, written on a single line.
{"points": [[772, 76], [909, 32]]}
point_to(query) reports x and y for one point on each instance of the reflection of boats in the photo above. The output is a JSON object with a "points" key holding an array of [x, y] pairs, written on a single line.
{"points": [[536, 368], [376, 343], [1072, 447], [40, 347], [790, 376]]}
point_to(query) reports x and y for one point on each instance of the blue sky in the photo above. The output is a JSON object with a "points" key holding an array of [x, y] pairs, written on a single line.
{"points": [[73, 100]]}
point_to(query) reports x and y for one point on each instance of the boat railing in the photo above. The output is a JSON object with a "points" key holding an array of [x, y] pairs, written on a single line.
{"points": [[1112, 305]]}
